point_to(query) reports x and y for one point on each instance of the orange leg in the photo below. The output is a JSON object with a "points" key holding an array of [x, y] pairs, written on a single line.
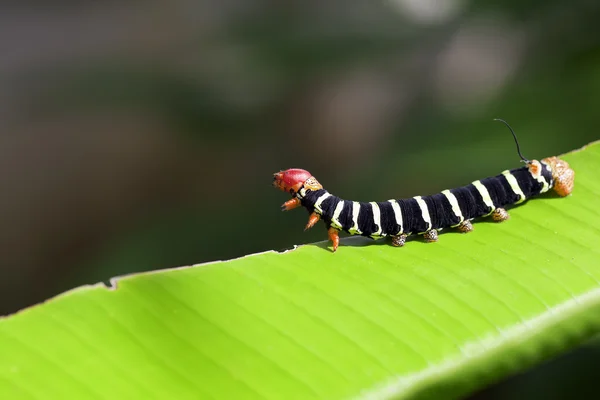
{"points": [[312, 220], [290, 204], [334, 237]]}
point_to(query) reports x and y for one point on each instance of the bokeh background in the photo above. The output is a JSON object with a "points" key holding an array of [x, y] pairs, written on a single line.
{"points": [[143, 135]]}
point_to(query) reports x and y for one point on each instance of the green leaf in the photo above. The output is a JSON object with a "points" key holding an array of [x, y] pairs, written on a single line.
{"points": [[373, 321]]}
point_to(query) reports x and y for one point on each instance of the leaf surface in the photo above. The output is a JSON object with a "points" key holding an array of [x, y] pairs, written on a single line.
{"points": [[370, 321]]}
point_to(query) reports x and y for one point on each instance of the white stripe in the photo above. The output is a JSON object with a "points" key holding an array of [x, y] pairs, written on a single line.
{"points": [[335, 221], [398, 214], [540, 179], [514, 185], [424, 212], [485, 195], [355, 209], [454, 203], [319, 201], [376, 219]]}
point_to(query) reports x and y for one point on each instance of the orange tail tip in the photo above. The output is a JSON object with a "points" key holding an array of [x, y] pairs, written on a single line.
{"points": [[563, 175]]}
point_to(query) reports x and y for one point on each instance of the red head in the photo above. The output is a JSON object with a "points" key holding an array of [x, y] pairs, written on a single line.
{"points": [[291, 180]]}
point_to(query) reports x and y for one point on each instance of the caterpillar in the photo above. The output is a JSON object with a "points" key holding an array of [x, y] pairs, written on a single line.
{"points": [[425, 215]]}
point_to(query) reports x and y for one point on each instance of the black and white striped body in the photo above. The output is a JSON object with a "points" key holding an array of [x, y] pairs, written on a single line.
{"points": [[421, 214]]}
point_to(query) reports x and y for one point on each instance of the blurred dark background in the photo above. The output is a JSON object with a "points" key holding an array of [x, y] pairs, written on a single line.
{"points": [[143, 135]]}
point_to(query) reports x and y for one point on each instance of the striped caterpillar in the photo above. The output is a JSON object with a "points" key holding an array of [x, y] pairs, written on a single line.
{"points": [[425, 215]]}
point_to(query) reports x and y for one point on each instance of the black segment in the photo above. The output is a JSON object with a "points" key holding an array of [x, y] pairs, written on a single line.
{"points": [[412, 216], [328, 206], [547, 174], [480, 207], [366, 222], [528, 184], [466, 202], [389, 225], [310, 199], [495, 190], [440, 211], [510, 196], [346, 216]]}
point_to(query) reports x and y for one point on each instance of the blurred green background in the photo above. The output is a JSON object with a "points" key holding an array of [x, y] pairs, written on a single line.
{"points": [[143, 135]]}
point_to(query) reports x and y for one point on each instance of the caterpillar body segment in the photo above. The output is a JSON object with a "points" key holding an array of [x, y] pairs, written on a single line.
{"points": [[425, 215]]}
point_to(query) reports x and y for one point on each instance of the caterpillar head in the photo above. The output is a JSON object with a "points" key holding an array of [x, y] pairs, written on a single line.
{"points": [[293, 179], [562, 175]]}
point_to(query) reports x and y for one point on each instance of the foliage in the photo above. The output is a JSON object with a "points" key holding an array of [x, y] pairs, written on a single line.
{"points": [[368, 321]]}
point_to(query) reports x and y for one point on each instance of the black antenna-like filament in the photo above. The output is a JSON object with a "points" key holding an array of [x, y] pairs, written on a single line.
{"points": [[526, 161]]}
